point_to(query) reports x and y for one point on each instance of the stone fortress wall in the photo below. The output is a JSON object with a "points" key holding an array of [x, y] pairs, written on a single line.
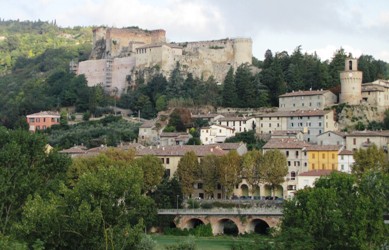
{"points": [[140, 50]]}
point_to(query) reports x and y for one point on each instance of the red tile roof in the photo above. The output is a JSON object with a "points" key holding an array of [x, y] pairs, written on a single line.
{"points": [[324, 147], [319, 172], [346, 152], [199, 150], [285, 143], [45, 114]]}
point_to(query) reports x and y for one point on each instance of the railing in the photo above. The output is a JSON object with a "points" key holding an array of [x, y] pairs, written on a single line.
{"points": [[221, 211]]}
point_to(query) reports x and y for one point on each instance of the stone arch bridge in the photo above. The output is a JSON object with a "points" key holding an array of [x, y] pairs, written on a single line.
{"points": [[250, 220]]}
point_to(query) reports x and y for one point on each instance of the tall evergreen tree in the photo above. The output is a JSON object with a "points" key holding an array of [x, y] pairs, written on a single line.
{"points": [[229, 95]]}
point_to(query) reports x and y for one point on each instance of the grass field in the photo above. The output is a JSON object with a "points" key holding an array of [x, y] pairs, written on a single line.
{"points": [[202, 243]]}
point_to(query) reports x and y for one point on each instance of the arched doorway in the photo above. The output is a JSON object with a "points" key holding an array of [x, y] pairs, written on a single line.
{"points": [[258, 226], [244, 190], [256, 191], [278, 191], [228, 227], [193, 223]]}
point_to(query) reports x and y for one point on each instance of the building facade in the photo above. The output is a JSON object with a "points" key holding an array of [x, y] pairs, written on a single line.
{"points": [[42, 120], [215, 134], [306, 100], [323, 157]]}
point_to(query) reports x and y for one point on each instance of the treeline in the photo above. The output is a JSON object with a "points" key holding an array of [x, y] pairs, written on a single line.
{"points": [[227, 171], [283, 72], [28, 39], [48, 201]]}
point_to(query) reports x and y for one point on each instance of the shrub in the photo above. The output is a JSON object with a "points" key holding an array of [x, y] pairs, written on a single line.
{"points": [[188, 244], [207, 205], [146, 243]]}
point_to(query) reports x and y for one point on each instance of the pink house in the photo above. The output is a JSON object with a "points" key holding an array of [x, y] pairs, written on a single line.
{"points": [[42, 120]]}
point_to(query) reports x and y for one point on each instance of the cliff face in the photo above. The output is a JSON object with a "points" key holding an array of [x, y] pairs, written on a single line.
{"points": [[350, 116]]}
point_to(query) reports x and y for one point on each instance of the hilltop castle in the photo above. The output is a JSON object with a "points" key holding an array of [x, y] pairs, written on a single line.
{"points": [[119, 56]]}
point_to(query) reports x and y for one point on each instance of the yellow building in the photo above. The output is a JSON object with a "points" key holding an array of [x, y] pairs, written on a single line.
{"points": [[323, 157]]}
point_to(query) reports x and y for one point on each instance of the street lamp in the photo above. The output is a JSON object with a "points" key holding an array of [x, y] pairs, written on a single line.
{"points": [[177, 203]]}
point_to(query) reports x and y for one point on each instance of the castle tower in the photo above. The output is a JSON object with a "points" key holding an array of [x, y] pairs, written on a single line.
{"points": [[242, 51], [351, 83]]}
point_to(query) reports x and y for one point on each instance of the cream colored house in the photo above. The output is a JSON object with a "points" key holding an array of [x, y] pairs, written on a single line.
{"points": [[363, 139], [306, 100], [297, 161], [376, 94], [171, 156], [311, 122], [239, 124], [332, 138], [307, 179], [215, 134]]}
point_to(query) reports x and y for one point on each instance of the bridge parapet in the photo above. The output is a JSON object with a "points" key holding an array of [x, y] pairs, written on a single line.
{"points": [[222, 211]]}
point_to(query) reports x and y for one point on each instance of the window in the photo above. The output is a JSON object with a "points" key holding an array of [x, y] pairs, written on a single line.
{"points": [[323, 166], [32, 120], [287, 153], [167, 172], [219, 187], [323, 156], [167, 160], [44, 119], [163, 160], [341, 157], [297, 154], [305, 164], [355, 141], [313, 156], [342, 167], [44, 127], [333, 166], [199, 185], [293, 175], [319, 124], [313, 165], [288, 163], [333, 156], [38, 119]]}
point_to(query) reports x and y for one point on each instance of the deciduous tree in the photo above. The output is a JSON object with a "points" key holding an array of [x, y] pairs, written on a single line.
{"points": [[273, 168], [187, 172]]}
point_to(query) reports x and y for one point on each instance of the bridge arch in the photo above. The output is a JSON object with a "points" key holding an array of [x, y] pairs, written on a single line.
{"points": [[258, 226], [193, 223], [227, 226]]}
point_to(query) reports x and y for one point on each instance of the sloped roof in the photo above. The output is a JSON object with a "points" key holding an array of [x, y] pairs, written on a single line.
{"points": [[199, 150], [305, 93], [324, 147], [319, 172], [285, 143], [45, 114]]}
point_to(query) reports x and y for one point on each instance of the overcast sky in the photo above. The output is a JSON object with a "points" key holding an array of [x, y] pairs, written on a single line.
{"points": [[359, 26]]}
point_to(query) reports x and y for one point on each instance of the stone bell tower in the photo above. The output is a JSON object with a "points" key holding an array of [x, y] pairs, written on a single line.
{"points": [[351, 83]]}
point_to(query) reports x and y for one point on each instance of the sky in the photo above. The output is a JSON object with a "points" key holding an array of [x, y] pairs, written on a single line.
{"points": [[321, 26]]}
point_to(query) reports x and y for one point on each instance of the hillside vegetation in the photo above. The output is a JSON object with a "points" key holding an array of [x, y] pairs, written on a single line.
{"points": [[34, 76]]}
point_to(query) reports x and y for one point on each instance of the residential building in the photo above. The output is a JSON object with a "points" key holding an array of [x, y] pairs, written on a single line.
{"points": [[215, 134], [239, 124], [282, 134], [345, 161], [332, 138], [306, 100], [149, 133], [311, 122], [297, 161], [363, 139], [376, 94], [174, 138], [42, 120], [210, 118], [308, 179], [323, 157], [270, 122]]}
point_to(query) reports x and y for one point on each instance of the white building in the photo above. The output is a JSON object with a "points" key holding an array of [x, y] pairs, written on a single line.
{"points": [[306, 100], [239, 124], [308, 179], [215, 134], [345, 161]]}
